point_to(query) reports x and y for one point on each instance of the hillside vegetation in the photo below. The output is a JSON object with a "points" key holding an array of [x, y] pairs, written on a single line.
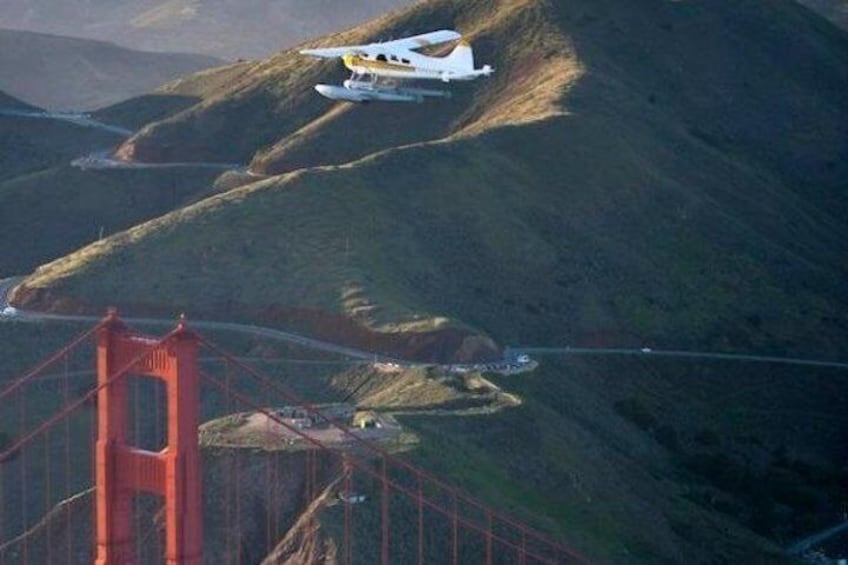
{"points": [[58, 72], [57, 210]]}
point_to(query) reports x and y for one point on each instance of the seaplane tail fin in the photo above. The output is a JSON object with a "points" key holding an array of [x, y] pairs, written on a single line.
{"points": [[462, 57]]}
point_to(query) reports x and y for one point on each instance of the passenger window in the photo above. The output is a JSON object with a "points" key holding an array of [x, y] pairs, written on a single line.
{"points": [[405, 61], [394, 58], [381, 57]]}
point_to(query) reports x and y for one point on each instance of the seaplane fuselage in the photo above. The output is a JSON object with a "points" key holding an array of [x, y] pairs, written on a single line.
{"points": [[412, 66]]}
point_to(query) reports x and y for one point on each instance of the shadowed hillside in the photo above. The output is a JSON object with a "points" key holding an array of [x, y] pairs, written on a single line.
{"points": [[68, 73]]}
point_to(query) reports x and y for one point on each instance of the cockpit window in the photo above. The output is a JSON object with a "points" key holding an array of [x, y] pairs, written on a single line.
{"points": [[381, 57]]}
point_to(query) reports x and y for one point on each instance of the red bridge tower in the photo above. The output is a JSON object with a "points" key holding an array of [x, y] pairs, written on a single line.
{"points": [[122, 469]]}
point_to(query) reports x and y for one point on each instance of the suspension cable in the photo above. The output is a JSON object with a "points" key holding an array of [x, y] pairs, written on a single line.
{"points": [[22, 440], [55, 356]]}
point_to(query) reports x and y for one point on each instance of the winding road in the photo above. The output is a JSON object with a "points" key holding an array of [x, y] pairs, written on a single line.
{"points": [[104, 160], [647, 352], [12, 313]]}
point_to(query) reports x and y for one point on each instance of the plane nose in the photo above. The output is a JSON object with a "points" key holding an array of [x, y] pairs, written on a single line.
{"points": [[349, 60]]}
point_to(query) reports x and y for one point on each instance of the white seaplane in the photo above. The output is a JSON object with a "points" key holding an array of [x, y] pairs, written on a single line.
{"points": [[377, 66]]}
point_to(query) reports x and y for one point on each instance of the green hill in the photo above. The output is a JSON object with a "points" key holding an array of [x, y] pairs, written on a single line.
{"points": [[598, 195], [60, 72], [57, 210]]}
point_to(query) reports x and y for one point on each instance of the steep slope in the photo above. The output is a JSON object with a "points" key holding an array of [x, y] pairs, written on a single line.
{"points": [[269, 106], [70, 73], [223, 28]]}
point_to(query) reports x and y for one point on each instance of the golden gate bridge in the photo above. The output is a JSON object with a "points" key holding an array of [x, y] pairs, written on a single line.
{"points": [[115, 473]]}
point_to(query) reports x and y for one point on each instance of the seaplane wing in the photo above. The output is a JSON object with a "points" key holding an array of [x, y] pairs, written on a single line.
{"points": [[397, 45], [423, 40], [334, 52]]}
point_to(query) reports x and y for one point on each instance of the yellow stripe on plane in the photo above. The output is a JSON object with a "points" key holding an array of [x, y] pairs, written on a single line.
{"points": [[352, 61]]}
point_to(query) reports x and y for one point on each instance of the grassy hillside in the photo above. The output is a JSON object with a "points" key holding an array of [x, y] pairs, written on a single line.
{"points": [[223, 28], [56, 211], [578, 459], [269, 106], [528, 254], [632, 462], [59, 72], [626, 202]]}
